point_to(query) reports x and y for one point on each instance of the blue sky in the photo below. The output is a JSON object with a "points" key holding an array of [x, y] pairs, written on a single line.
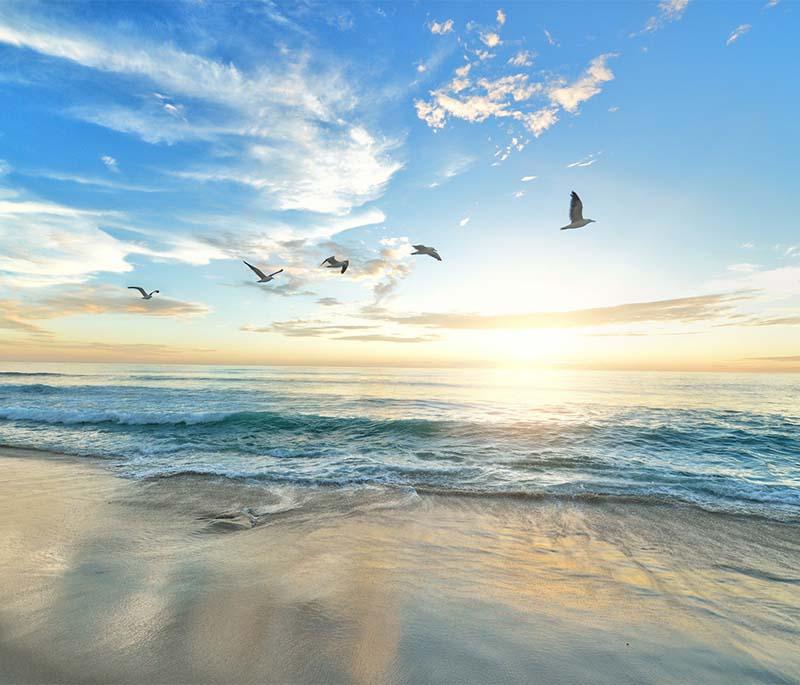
{"points": [[158, 144]]}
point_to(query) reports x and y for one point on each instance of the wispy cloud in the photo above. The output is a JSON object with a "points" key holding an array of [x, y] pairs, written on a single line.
{"points": [[319, 328], [290, 123], [110, 163], [82, 300], [441, 28], [288, 285], [528, 179], [744, 267], [501, 17], [668, 11], [586, 161], [464, 221], [354, 169], [106, 183], [550, 39], [524, 58], [455, 166], [737, 33], [787, 359], [387, 269], [681, 310], [47, 243]]}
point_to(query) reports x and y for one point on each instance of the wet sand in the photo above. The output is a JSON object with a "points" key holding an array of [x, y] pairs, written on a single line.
{"points": [[193, 580]]}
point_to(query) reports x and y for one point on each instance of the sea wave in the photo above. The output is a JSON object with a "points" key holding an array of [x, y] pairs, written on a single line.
{"points": [[22, 374], [781, 506], [72, 417]]}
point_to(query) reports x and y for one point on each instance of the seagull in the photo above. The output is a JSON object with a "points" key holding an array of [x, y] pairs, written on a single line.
{"points": [[262, 277], [430, 251], [576, 214], [145, 295], [334, 263]]}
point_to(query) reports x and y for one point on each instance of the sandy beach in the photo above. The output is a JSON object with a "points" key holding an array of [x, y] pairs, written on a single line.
{"points": [[104, 579]]}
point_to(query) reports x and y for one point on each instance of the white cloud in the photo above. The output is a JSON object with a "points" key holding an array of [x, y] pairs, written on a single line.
{"points": [[586, 161], [518, 194], [174, 110], [744, 267], [92, 181], [455, 166], [464, 221], [441, 28], [511, 97], [523, 58], [613, 109], [5, 167], [737, 33], [501, 17], [491, 39], [45, 243], [766, 284], [479, 101], [291, 122], [344, 173], [748, 245], [110, 162], [550, 40], [585, 87], [526, 179], [668, 11]]}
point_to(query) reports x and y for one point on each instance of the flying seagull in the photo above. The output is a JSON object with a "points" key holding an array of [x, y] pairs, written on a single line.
{"points": [[430, 251], [262, 277], [145, 295], [334, 263], [576, 214]]}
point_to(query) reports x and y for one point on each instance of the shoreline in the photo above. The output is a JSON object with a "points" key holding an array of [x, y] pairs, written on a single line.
{"points": [[110, 579], [579, 498]]}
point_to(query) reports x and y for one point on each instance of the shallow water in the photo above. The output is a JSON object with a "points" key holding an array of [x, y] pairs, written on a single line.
{"points": [[723, 442]]}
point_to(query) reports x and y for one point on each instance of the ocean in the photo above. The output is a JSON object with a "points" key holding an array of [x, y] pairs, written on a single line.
{"points": [[726, 443]]}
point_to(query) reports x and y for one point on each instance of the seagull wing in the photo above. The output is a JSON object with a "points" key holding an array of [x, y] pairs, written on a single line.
{"points": [[258, 272], [275, 273], [329, 260], [136, 287], [418, 247], [575, 208], [435, 255], [345, 264]]}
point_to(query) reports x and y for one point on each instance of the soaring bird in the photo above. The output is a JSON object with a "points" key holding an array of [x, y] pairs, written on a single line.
{"points": [[145, 295], [262, 277], [430, 251], [576, 214], [334, 263]]}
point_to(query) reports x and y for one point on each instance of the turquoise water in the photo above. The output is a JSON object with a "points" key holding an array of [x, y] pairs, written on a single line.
{"points": [[723, 442]]}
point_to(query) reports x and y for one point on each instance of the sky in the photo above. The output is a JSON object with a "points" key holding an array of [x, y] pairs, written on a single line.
{"points": [[160, 144]]}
